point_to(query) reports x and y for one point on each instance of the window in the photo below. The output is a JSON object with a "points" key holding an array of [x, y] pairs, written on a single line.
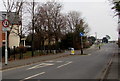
{"points": [[3, 16]]}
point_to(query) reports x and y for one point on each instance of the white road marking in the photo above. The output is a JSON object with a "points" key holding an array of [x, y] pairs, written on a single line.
{"points": [[54, 61], [40, 65], [16, 68], [64, 64], [33, 76], [59, 61], [49, 61]]}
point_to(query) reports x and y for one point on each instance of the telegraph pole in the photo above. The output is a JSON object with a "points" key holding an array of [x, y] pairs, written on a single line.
{"points": [[33, 29]]}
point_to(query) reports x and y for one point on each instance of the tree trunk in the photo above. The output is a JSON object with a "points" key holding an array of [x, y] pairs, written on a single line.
{"points": [[49, 45], [56, 45]]}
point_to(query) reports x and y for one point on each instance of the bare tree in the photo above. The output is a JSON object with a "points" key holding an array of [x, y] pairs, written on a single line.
{"points": [[32, 10], [16, 7], [49, 22], [73, 20], [76, 24]]}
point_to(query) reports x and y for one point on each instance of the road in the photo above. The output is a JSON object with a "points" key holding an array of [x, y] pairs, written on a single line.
{"points": [[88, 66]]}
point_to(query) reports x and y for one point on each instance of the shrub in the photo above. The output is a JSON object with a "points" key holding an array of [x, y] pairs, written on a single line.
{"points": [[86, 45], [22, 49]]}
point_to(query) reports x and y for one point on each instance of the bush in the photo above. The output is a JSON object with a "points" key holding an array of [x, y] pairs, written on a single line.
{"points": [[18, 50], [87, 45], [118, 42], [22, 49]]}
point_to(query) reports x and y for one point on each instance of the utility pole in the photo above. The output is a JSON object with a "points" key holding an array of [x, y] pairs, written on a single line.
{"points": [[33, 29]]}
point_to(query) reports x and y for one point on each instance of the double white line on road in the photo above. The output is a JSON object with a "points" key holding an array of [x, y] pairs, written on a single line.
{"points": [[42, 72], [64, 64], [40, 65], [33, 76]]}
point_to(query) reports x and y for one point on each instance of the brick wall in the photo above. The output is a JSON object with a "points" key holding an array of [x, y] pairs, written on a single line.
{"points": [[0, 34]]}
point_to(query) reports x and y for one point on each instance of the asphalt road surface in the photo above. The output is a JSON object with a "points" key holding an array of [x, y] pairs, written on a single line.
{"points": [[87, 66]]}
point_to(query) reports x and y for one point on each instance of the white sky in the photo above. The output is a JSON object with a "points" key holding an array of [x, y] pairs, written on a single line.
{"points": [[97, 13]]}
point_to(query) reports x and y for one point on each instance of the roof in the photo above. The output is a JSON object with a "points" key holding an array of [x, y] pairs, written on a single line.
{"points": [[12, 17]]}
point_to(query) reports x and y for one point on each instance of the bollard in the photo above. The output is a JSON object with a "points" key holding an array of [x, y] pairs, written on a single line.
{"points": [[72, 51]]}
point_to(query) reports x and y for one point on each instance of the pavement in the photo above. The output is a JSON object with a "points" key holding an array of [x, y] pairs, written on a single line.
{"points": [[113, 72], [23, 62]]}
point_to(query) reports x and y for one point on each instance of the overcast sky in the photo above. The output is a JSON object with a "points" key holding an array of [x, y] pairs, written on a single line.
{"points": [[97, 13]]}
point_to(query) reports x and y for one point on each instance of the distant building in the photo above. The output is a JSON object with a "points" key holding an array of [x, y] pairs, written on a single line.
{"points": [[104, 40], [14, 20]]}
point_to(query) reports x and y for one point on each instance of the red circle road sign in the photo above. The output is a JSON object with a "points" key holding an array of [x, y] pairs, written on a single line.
{"points": [[5, 23]]}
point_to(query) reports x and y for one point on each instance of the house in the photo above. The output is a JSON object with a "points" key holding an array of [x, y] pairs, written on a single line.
{"points": [[14, 39], [0, 34], [14, 20]]}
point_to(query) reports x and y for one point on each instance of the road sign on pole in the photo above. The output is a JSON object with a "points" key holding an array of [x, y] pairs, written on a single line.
{"points": [[81, 34], [5, 24], [81, 42], [5, 29]]}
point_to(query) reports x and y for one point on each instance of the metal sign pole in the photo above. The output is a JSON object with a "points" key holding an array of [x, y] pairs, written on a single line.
{"points": [[81, 46], [6, 51], [81, 42], [6, 24]]}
